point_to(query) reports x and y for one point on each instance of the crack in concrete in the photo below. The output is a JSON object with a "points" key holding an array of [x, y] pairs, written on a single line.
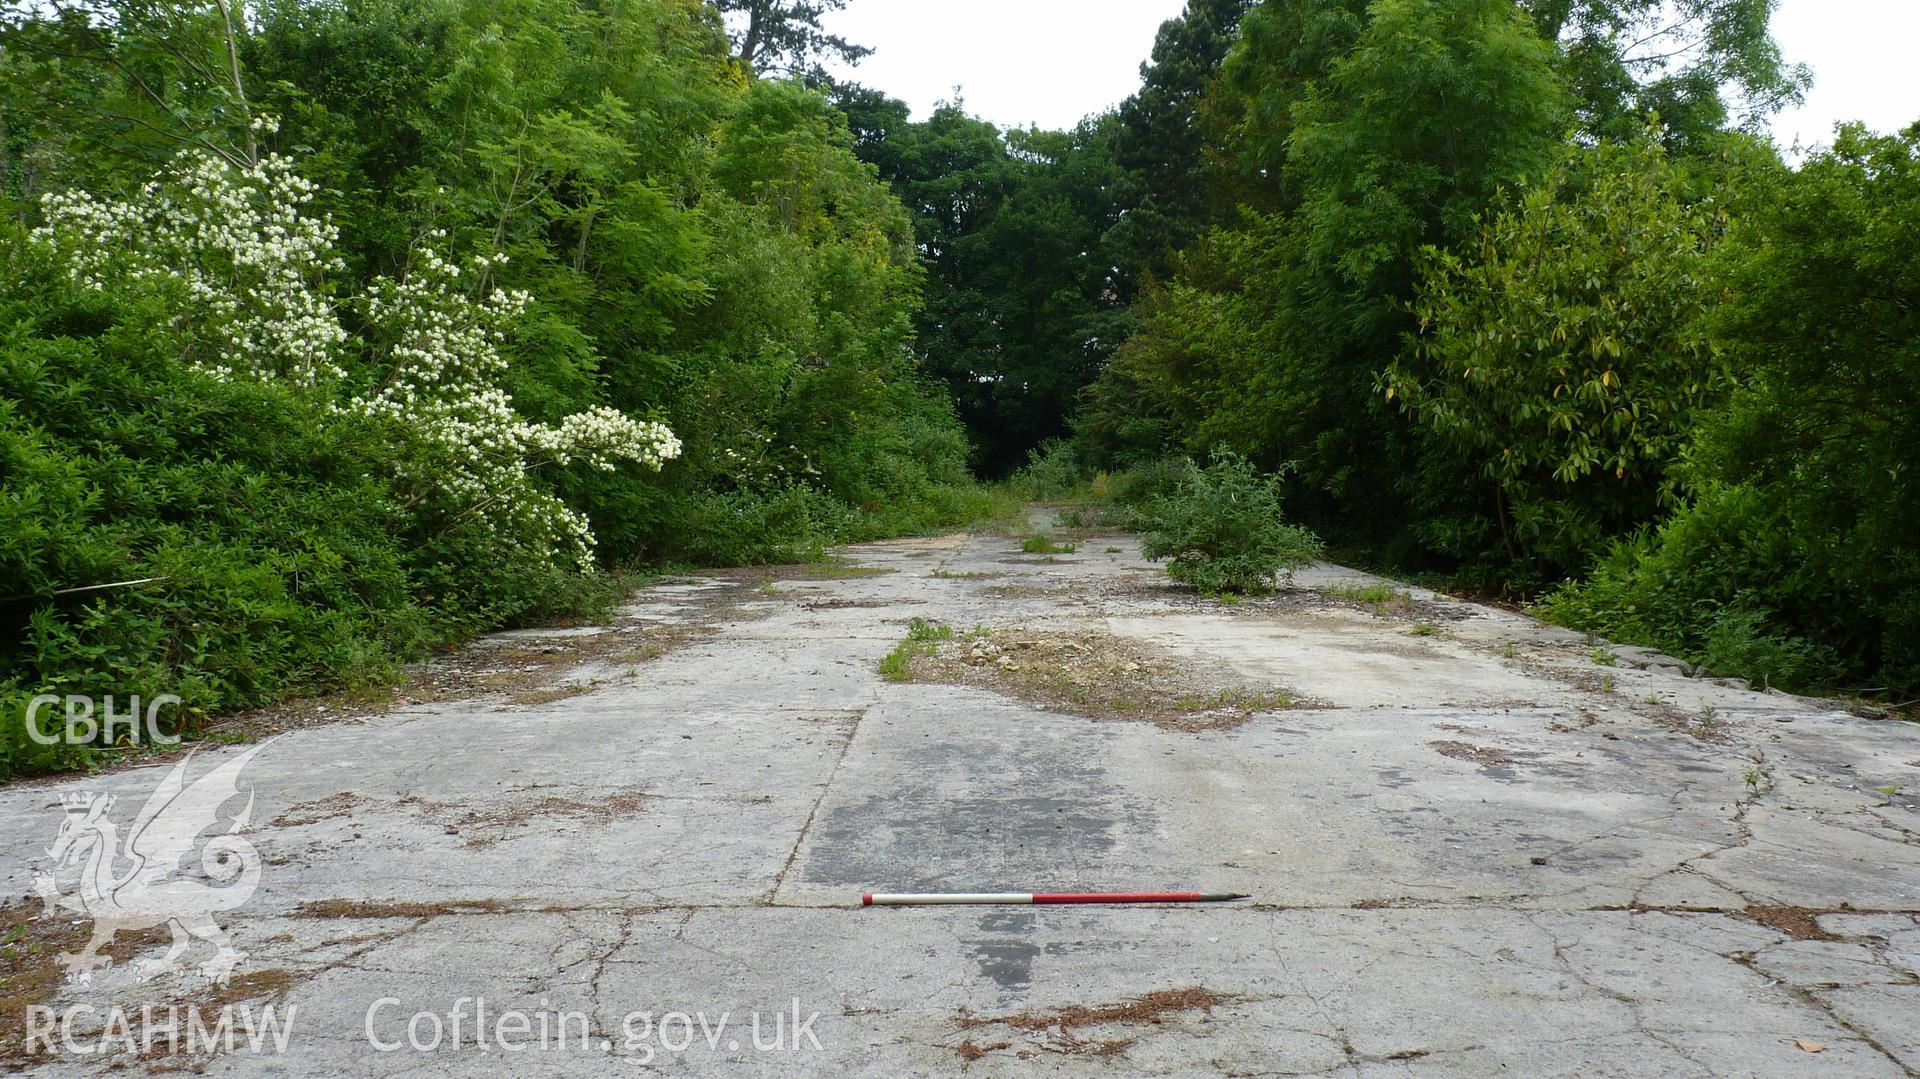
{"points": [[1812, 999], [1633, 1006], [1742, 835], [806, 827]]}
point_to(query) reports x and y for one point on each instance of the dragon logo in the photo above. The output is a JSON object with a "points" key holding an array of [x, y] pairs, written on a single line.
{"points": [[156, 887]]}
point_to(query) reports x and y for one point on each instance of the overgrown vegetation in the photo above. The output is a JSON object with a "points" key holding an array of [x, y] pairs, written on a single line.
{"points": [[1514, 290], [333, 332], [414, 319], [1046, 545], [1797, 564], [1221, 530]]}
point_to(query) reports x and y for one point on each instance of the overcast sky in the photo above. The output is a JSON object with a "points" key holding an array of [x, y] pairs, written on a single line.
{"points": [[1051, 62]]}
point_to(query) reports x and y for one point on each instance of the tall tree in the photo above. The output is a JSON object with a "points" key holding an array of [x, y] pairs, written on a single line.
{"points": [[1160, 143], [1022, 302], [1284, 47], [1371, 133], [786, 37], [1698, 63]]}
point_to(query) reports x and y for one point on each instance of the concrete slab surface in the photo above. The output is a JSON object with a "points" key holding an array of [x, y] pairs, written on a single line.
{"points": [[1475, 845]]}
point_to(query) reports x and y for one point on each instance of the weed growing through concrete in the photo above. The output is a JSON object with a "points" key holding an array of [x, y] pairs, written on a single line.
{"points": [[1083, 672], [923, 639], [925, 630], [1379, 599], [1045, 545]]}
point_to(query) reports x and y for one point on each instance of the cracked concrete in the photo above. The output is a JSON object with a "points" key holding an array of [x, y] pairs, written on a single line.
{"points": [[1495, 847]]}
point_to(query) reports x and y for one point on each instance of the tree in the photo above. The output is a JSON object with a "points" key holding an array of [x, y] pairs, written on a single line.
{"points": [[1409, 135], [1275, 335], [1681, 59], [1160, 143], [1824, 328], [1284, 46], [120, 86], [1560, 356], [1022, 300], [785, 36]]}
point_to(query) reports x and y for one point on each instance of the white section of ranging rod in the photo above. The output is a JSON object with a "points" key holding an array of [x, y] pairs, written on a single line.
{"points": [[950, 899], [1042, 898]]}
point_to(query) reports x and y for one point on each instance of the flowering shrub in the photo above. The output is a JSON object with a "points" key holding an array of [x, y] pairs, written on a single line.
{"points": [[246, 265], [243, 270]]}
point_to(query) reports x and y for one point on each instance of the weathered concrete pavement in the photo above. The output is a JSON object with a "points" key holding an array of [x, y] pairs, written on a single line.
{"points": [[1486, 854]]}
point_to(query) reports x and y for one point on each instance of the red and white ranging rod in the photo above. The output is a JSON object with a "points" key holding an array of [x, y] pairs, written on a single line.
{"points": [[872, 899]]}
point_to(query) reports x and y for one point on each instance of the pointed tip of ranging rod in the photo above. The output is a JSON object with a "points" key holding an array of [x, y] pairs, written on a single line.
{"points": [[1223, 897]]}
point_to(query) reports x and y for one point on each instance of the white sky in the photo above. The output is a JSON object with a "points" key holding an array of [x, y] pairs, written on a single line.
{"points": [[1862, 55], [1051, 62]]}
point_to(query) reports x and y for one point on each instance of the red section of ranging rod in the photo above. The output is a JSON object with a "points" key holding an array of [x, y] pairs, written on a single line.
{"points": [[872, 899], [1130, 897]]}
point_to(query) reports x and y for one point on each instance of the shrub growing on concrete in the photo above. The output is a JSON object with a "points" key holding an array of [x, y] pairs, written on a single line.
{"points": [[1222, 531]]}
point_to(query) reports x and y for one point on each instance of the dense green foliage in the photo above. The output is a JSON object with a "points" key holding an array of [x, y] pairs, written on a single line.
{"points": [[282, 559], [1270, 339], [1221, 529], [1508, 290], [1160, 143], [695, 246], [1012, 228], [1503, 281], [1698, 64], [1801, 563], [1560, 357]]}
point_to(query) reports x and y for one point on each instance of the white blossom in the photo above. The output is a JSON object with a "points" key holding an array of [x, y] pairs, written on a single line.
{"points": [[245, 270]]}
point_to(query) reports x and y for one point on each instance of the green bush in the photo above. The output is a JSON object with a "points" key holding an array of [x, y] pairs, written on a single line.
{"points": [[1222, 531], [1145, 484], [281, 560], [1724, 583], [1560, 363], [1127, 497], [278, 554], [1053, 471], [753, 528], [934, 509], [1800, 566]]}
